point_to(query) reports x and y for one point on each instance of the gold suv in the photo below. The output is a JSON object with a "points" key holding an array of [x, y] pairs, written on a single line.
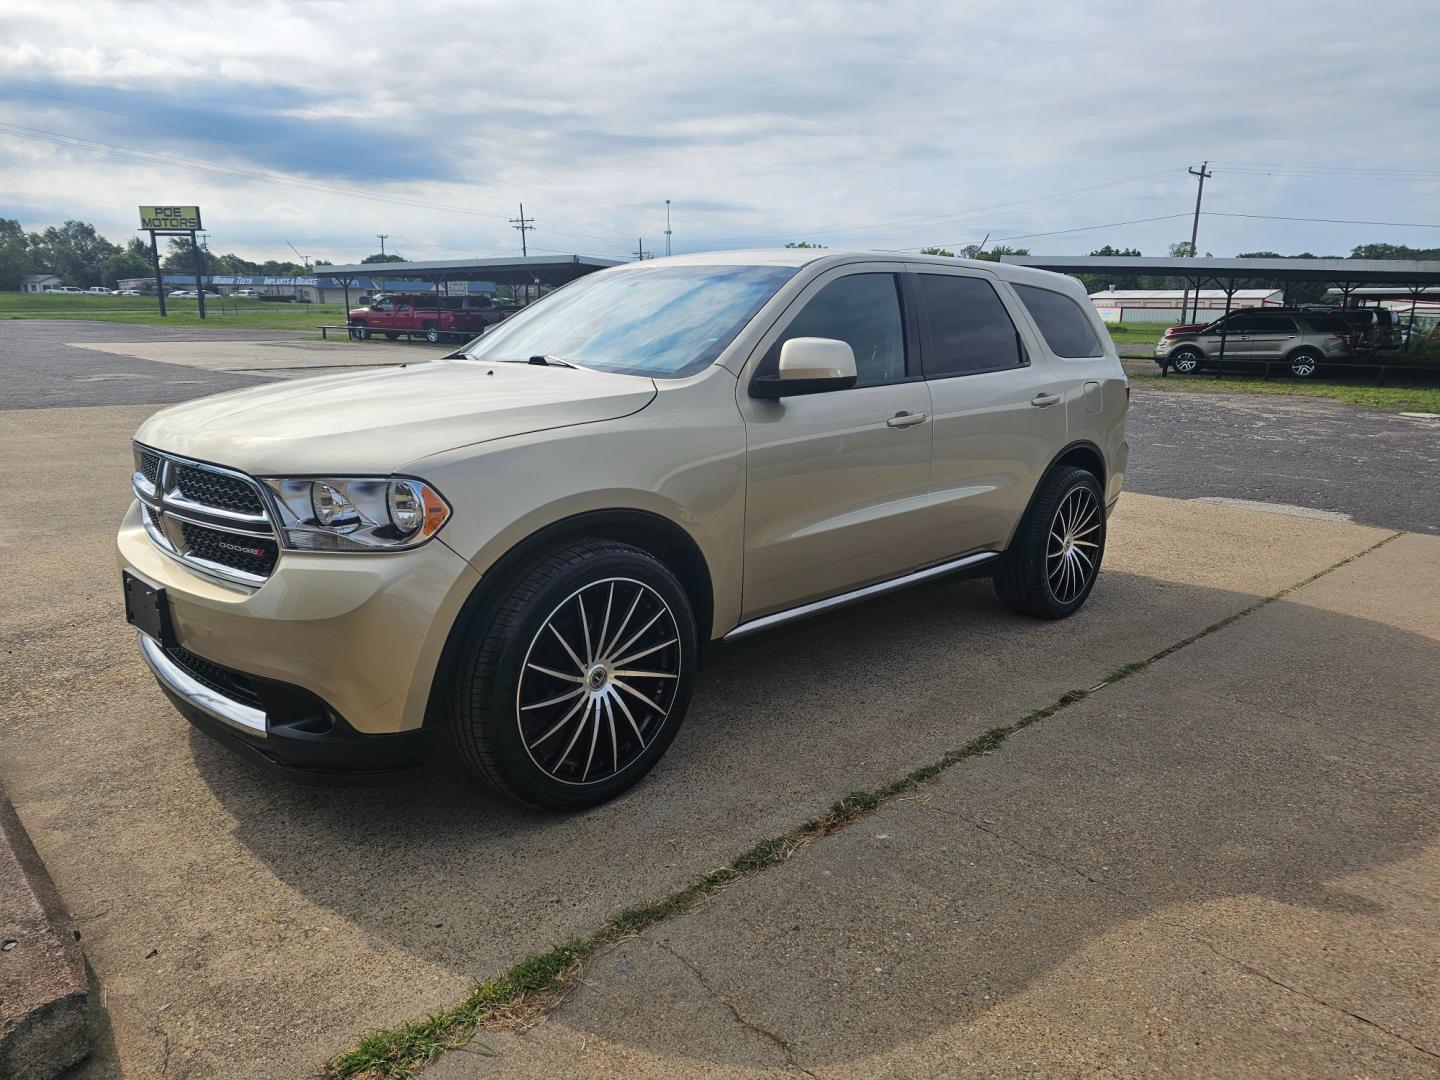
{"points": [[523, 547]]}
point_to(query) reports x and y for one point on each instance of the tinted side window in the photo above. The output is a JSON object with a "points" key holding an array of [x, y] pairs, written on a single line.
{"points": [[1064, 326], [970, 330], [1272, 324], [862, 310], [1245, 324]]}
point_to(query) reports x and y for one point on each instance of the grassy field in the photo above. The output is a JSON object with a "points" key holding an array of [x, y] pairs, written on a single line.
{"points": [[225, 314], [1135, 333], [1416, 393]]}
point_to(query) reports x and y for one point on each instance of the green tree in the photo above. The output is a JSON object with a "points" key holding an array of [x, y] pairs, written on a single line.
{"points": [[1393, 251], [388, 257], [803, 244], [972, 251], [74, 251], [132, 261], [16, 262], [936, 251]]}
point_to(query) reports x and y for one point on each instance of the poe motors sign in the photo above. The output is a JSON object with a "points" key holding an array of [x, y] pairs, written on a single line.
{"points": [[173, 221], [170, 218]]}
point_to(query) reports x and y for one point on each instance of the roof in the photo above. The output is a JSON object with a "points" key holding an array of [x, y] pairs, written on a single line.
{"points": [[1176, 294], [529, 270], [1352, 271]]}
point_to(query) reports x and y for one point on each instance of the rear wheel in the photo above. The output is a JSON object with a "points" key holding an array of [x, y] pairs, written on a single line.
{"points": [[1186, 361], [574, 686], [1055, 557], [1304, 363]]}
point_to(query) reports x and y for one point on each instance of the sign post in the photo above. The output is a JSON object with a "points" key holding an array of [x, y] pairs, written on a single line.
{"points": [[173, 221]]}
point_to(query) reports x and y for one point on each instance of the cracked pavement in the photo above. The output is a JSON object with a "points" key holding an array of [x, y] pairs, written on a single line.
{"points": [[1208, 868]]}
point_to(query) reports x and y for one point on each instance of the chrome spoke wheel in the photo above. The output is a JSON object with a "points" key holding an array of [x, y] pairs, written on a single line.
{"points": [[599, 680], [1072, 546]]}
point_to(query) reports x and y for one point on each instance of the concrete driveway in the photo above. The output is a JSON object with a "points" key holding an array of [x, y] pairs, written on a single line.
{"points": [[239, 925]]}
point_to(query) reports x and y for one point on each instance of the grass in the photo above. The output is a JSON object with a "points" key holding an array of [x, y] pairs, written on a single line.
{"points": [[1135, 333], [1401, 393], [226, 314], [525, 993]]}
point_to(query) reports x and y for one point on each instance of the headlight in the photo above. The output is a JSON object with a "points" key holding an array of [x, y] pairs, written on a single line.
{"points": [[357, 513]]}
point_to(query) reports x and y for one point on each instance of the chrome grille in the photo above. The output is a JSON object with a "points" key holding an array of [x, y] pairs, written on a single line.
{"points": [[213, 519]]}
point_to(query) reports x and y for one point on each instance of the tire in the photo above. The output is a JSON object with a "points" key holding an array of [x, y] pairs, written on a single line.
{"points": [[514, 715], [432, 334], [391, 335], [1304, 363], [360, 332], [1186, 361], [1068, 514]]}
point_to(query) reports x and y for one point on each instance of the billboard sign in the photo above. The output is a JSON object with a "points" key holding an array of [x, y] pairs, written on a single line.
{"points": [[170, 217]]}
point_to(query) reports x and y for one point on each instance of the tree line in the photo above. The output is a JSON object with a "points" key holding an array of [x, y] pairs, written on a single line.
{"points": [[76, 253]]}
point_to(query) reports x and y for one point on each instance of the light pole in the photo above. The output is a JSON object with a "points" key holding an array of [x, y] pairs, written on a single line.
{"points": [[667, 227]]}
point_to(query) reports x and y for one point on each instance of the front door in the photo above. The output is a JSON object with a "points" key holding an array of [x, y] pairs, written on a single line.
{"points": [[836, 494]]}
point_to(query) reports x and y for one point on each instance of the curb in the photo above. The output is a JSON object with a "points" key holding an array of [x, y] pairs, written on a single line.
{"points": [[44, 996]]}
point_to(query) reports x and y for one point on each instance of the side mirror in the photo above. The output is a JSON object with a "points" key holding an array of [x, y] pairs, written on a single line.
{"points": [[808, 365]]}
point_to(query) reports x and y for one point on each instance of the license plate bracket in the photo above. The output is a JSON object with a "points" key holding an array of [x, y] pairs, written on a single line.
{"points": [[147, 608]]}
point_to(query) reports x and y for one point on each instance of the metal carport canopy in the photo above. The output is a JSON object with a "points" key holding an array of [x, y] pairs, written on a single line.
{"points": [[531, 270], [1351, 271]]}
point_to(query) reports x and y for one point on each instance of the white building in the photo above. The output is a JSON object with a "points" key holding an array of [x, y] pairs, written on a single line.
{"points": [[1163, 305], [41, 282]]}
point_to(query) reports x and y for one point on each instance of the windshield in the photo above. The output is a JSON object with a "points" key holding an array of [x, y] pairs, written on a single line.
{"points": [[664, 322]]}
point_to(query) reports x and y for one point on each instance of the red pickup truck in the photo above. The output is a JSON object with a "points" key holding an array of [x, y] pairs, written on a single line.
{"points": [[392, 314]]}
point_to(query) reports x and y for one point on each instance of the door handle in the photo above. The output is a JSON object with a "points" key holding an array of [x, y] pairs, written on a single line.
{"points": [[1043, 400], [906, 419]]}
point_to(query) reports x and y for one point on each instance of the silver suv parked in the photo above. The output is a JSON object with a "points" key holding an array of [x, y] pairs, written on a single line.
{"points": [[1302, 340], [524, 547]]}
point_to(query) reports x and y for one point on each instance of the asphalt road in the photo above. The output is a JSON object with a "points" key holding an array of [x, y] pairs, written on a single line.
{"points": [[1377, 468]]}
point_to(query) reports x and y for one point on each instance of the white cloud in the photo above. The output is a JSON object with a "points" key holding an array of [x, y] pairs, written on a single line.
{"points": [[798, 121]]}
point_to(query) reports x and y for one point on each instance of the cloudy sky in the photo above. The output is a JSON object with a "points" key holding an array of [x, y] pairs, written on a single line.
{"points": [[880, 125]]}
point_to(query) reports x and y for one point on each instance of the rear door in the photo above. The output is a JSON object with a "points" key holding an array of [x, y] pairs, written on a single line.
{"points": [[999, 407], [1270, 337]]}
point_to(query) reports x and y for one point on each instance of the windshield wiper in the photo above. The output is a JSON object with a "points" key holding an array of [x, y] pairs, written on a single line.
{"points": [[550, 361], [538, 360]]}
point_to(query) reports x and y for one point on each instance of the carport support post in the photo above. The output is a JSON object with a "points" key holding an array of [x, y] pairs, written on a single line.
{"points": [[159, 278], [199, 285], [1410, 330], [1229, 288]]}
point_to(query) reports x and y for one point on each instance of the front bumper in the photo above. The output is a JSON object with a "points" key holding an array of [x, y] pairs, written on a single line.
{"points": [[361, 634]]}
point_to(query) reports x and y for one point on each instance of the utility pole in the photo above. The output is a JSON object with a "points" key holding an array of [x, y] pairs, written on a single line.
{"points": [[667, 228], [525, 225], [1201, 173], [640, 252], [382, 237]]}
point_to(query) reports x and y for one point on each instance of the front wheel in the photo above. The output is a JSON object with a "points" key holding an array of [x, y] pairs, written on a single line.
{"points": [[575, 684], [1186, 361], [360, 332], [432, 334], [1055, 556]]}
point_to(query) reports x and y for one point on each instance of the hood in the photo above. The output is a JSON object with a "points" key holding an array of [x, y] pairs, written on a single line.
{"points": [[377, 420], [1188, 328]]}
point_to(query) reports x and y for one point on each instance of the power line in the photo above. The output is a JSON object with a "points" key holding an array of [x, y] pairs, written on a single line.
{"points": [[1060, 232], [1326, 221]]}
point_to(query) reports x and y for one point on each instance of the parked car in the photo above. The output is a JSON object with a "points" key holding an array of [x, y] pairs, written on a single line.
{"points": [[1299, 338], [181, 294], [246, 294], [453, 316], [68, 290], [98, 290], [522, 548], [129, 292]]}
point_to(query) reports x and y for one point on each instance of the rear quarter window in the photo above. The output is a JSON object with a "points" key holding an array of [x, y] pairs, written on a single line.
{"points": [[1066, 328]]}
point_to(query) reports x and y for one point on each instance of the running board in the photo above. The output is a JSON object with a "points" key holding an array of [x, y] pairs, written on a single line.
{"points": [[766, 622]]}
